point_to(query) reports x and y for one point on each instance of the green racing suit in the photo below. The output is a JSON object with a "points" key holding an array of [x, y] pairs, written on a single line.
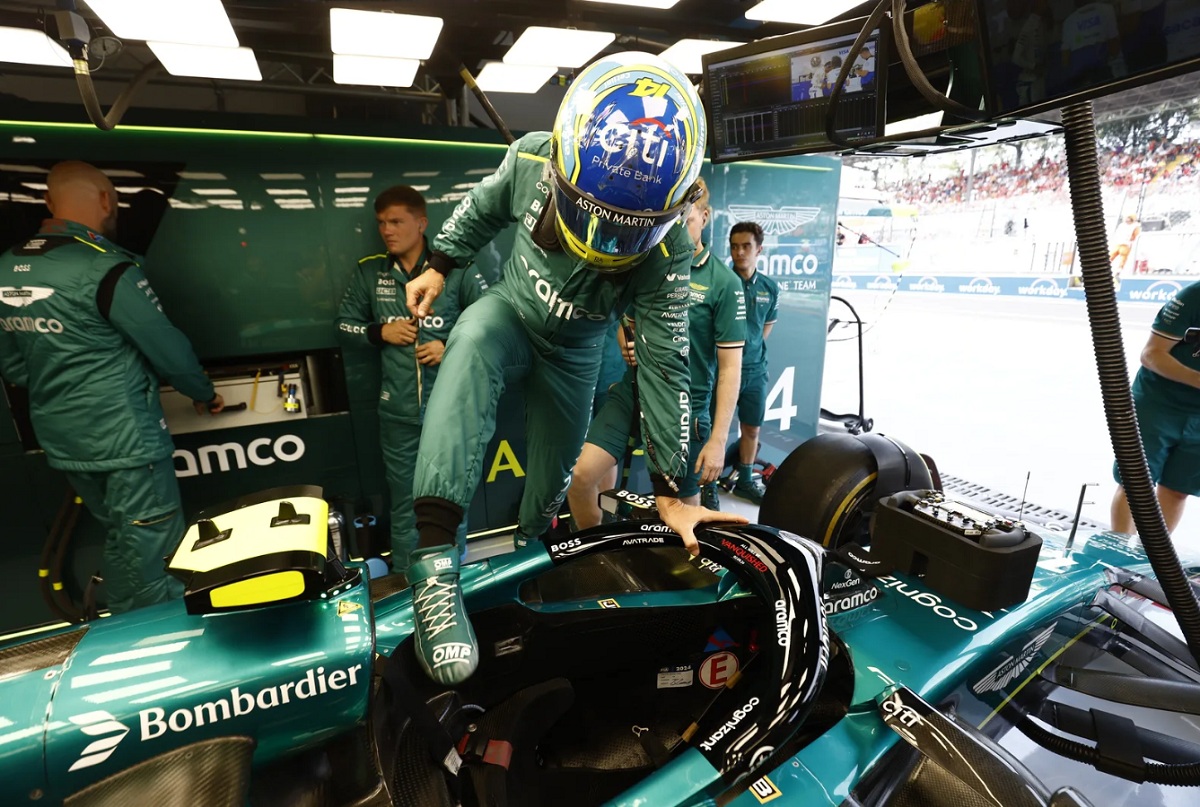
{"points": [[374, 297], [81, 327], [545, 323]]}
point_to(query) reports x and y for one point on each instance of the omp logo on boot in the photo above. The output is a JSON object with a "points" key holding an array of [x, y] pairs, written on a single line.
{"points": [[452, 653], [155, 721], [18, 296], [107, 728], [775, 221], [232, 456]]}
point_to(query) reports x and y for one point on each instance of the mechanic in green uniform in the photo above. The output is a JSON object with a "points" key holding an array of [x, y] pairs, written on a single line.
{"points": [[1166, 393], [599, 205], [762, 309], [82, 329], [374, 315], [716, 332]]}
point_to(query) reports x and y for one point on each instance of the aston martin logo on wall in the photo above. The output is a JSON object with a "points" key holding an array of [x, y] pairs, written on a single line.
{"points": [[775, 220]]}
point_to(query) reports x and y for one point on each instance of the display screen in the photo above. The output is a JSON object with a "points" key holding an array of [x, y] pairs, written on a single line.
{"points": [[1043, 50], [774, 101]]}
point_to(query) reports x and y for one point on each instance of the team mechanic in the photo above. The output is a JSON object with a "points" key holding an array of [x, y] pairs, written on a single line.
{"points": [[598, 202], [373, 315], [762, 309], [84, 331], [716, 332]]}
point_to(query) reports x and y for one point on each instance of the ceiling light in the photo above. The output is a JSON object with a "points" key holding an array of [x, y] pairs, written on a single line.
{"points": [[354, 174], [557, 47], [642, 3], [200, 175], [287, 191], [203, 61], [685, 54], [420, 188], [187, 22], [280, 177], [374, 71], [24, 169], [352, 190], [794, 13], [501, 77], [421, 173], [378, 33], [27, 46], [214, 191]]}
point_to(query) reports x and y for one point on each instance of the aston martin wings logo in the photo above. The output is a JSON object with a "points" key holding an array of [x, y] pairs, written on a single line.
{"points": [[103, 725], [20, 296], [775, 221], [1002, 676]]}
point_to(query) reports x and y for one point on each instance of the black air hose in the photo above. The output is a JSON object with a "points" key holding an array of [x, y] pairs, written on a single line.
{"points": [[1180, 775], [1088, 209]]}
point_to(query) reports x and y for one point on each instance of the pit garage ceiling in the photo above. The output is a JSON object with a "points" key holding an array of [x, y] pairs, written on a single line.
{"points": [[291, 41]]}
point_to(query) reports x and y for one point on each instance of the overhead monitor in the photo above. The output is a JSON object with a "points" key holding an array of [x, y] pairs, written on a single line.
{"points": [[1042, 53], [770, 98]]}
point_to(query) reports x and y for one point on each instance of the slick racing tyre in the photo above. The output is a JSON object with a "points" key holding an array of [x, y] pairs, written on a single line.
{"points": [[827, 487]]}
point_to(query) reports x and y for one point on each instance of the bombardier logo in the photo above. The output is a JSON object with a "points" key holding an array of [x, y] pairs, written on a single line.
{"points": [[775, 221], [155, 722], [98, 724], [1011, 668]]}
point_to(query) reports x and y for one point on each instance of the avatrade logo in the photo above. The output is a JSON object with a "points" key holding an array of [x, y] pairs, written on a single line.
{"points": [[927, 284], [1000, 677], [19, 296], [775, 221], [1043, 287], [1163, 291], [844, 282], [155, 722], [979, 285], [881, 283], [107, 728], [232, 456]]}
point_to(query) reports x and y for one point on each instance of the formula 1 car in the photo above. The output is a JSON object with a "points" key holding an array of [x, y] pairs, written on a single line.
{"points": [[615, 669]]}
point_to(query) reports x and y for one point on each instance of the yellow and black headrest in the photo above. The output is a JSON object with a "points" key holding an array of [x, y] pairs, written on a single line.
{"points": [[262, 549]]}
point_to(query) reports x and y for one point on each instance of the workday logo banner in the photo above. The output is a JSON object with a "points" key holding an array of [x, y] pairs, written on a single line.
{"points": [[1159, 291]]}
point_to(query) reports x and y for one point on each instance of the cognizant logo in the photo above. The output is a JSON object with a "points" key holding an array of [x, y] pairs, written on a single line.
{"points": [[231, 456]]}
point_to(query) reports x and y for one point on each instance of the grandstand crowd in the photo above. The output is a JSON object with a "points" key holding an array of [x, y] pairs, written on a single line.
{"points": [[1155, 162]]}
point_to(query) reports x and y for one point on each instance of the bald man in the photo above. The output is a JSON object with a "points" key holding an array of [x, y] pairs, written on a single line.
{"points": [[82, 329]]}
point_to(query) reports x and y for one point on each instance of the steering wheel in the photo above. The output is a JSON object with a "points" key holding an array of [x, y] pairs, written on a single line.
{"points": [[782, 569]]}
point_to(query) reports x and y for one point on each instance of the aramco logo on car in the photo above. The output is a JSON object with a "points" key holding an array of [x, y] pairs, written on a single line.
{"points": [[233, 456]]}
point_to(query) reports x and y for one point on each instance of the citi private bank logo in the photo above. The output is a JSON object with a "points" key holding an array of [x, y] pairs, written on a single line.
{"points": [[775, 220]]}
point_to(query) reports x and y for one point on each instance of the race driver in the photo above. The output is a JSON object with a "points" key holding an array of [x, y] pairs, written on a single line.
{"points": [[599, 205]]}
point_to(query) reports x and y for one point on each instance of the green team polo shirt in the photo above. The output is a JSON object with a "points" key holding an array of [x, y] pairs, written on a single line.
{"points": [[716, 319], [762, 308], [1172, 321]]}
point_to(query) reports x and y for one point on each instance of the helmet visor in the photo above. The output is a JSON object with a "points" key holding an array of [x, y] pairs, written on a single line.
{"points": [[611, 236]]}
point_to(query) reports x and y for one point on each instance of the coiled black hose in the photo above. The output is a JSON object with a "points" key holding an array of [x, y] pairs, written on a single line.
{"points": [[1180, 775], [1088, 210]]}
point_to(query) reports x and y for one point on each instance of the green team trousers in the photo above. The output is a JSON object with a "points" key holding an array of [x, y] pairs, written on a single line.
{"points": [[489, 348], [141, 511], [398, 441]]}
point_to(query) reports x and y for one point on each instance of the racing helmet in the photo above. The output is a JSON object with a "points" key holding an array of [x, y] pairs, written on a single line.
{"points": [[627, 148]]}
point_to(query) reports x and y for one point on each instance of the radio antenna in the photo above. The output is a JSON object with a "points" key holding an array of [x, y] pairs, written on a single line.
{"points": [[1021, 514]]}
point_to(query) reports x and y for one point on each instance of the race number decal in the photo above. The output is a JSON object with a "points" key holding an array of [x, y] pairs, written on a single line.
{"points": [[783, 392]]}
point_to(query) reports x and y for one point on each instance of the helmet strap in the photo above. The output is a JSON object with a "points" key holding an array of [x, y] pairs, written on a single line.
{"points": [[545, 232]]}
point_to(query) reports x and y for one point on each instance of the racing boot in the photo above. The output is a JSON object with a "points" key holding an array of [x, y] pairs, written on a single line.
{"points": [[444, 640], [709, 497], [748, 486]]}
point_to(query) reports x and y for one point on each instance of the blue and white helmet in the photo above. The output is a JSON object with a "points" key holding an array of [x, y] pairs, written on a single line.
{"points": [[628, 145]]}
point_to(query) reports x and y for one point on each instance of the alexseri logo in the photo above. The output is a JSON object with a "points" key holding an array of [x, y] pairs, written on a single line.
{"points": [[775, 221]]}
